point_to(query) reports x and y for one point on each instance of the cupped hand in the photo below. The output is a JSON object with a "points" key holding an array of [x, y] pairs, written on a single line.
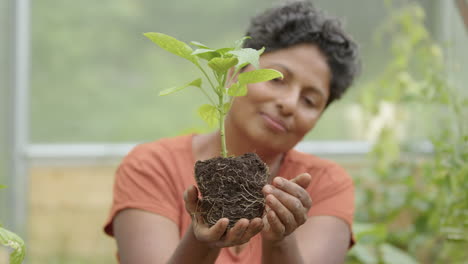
{"points": [[287, 205], [216, 235]]}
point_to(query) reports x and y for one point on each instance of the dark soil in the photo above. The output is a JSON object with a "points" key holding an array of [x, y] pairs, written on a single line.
{"points": [[231, 187]]}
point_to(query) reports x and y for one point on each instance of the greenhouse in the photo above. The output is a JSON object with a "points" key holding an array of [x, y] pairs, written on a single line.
{"points": [[79, 85]]}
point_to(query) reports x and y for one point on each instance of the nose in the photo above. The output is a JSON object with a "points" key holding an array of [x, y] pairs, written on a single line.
{"points": [[287, 101]]}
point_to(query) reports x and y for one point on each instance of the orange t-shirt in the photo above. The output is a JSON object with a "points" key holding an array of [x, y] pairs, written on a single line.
{"points": [[154, 176]]}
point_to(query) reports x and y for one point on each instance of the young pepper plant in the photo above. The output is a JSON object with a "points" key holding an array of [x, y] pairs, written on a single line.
{"points": [[220, 62], [13, 241]]}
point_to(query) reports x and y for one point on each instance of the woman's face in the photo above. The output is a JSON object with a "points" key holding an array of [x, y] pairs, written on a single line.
{"points": [[277, 114]]}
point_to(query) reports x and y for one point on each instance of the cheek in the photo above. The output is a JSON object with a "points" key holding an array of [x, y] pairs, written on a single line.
{"points": [[255, 95], [307, 122], [258, 92], [242, 107]]}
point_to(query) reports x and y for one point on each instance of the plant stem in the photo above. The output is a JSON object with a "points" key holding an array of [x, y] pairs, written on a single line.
{"points": [[221, 125], [208, 78]]}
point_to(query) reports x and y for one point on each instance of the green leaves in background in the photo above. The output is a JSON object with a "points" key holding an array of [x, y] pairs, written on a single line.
{"points": [[196, 83], [13, 241], [392, 254], [2, 186], [388, 254], [172, 45], [419, 201], [370, 233]]}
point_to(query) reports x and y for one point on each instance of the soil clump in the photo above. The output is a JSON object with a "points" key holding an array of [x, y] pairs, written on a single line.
{"points": [[231, 187]]}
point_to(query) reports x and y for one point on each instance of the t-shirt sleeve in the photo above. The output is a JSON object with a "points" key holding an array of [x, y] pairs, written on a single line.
{"points": [[143, 181], [332, 194]]}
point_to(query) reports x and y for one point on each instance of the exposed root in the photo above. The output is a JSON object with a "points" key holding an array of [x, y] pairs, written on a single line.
{"points": [[231, 187]]}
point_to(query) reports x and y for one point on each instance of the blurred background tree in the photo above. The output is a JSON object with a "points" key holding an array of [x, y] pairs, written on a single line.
{"points": [[413, 209]]}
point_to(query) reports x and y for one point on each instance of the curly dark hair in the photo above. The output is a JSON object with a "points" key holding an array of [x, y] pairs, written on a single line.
{"points": [[300, 22]]}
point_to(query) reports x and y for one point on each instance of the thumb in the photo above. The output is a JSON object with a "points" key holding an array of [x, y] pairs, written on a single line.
{"points": [[303, 180], [191, 199]]}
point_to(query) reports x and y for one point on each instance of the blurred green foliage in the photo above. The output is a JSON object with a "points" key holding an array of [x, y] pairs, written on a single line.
{"points": [[12, 241], [414, 209]]}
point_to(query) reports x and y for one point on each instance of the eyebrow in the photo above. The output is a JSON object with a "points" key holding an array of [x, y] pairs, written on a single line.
{"points": [[289, 72]]}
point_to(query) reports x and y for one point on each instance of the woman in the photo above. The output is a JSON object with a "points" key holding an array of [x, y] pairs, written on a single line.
{"points": [[310, 201]]}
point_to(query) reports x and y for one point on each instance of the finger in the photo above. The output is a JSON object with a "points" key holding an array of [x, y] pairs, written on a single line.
{"points": [[191, 199], [283, 214], [303, 180], [292, 204], [199, 219], [255, 226], [293, 189], [275, 224], [213, 233], [234, 235], [266, 225]]}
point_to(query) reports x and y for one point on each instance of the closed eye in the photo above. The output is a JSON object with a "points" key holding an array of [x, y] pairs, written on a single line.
{"points": [[309, 102]]}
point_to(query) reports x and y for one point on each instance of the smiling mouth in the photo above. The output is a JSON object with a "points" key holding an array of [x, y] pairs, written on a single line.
{"points": [[273, 124]]}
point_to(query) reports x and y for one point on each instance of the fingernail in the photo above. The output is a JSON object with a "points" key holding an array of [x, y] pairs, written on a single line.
{"points": [[267, 188], [279, 182]]}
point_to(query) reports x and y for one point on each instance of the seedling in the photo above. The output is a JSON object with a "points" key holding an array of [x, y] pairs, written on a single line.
{"points": [[220, 62], [230, 186]]}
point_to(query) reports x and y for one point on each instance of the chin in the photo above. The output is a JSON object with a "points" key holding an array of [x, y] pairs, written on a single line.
{"points": [[273, 142]]}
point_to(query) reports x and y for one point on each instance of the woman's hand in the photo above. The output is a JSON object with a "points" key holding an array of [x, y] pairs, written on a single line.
{"points": [[287, 205], [217, 236]]}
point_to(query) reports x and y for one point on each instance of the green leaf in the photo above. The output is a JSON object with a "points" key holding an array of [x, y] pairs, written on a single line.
{"points": [[196, 83], [209, 114], [370, 233], [13, 241], [172, 45], [206, 54], [199, 45], [2, 186], [222, 65], [238, 44], [392, 254], [261, 75], [247, 56], [226, 107], [237, 89], [365, 254], [224, 52]]}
